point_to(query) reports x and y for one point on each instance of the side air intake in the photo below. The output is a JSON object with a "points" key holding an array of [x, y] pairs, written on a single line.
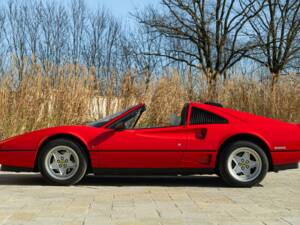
{"points": [[199, 116]]}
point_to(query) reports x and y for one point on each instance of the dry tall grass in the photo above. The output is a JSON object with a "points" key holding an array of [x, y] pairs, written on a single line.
{"points": [[41, 101]]}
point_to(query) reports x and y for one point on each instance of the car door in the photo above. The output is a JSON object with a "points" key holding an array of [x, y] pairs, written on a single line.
{"points": [[204, 132], [143, 148]]}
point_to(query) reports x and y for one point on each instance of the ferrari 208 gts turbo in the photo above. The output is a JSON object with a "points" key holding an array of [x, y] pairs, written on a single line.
{"points": [[205, 139]]}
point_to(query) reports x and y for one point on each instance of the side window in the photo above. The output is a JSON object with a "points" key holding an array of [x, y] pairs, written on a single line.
{"points": [[129, 120], [200, 116]]}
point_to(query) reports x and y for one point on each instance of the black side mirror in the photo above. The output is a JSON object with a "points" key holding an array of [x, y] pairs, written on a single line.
{"points": [[120, 127]]}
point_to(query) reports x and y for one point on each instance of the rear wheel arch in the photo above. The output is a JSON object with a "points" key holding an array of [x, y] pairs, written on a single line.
{"points": [[63, 136], [246, 137]]}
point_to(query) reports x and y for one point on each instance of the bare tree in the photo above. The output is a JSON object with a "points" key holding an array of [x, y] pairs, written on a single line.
{"points": [[53, 39], [60, 35], [210, 29], [276, 30], [2, 42], [111, 39], [102, 47], [92, 50], [16, 35], [141, 40], [78, 21], [32, 28]]}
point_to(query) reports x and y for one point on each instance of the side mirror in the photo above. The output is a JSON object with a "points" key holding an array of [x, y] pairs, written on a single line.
{"points": [[120, 127]]}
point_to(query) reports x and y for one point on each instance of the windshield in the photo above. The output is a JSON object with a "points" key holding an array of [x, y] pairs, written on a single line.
{"points": [[104, 120]]}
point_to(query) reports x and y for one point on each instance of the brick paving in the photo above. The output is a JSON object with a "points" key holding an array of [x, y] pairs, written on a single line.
{"points": [[27, 199]]}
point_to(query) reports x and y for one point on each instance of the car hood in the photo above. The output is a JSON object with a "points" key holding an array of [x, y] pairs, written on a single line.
{"points": [[77, 129]]}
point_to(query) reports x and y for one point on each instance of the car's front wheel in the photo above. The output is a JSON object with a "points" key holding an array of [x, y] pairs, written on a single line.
{"points": [[63, 162], [243, 164]]}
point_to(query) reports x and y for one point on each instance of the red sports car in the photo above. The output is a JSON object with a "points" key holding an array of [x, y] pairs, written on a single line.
{"points": [[207, 138]]}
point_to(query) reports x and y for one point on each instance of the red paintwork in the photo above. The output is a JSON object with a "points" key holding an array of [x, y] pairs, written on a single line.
{"points": [[189, 146]]}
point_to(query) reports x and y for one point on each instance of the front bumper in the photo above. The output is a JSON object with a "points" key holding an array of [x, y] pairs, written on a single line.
{"points": [[18, 158]]}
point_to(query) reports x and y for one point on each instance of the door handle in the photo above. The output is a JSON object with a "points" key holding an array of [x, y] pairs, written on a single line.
{"points": [[201, 134]]}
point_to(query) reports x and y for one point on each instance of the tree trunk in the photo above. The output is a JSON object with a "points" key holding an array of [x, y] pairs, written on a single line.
{"points": [[191, 93], [225, 75], [212, 88], [147, 80], [275, 77]]}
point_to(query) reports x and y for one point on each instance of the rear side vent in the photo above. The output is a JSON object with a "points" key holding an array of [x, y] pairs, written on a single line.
{"points": [[199, 116], [214, 104]]}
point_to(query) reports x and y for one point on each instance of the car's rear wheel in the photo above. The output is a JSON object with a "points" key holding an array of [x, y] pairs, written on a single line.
{"points": [[63, 162], [243, 164]]}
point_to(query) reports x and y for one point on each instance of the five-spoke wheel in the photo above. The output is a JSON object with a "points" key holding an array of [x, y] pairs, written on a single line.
{"points": [[62, 161], [243, 164]]}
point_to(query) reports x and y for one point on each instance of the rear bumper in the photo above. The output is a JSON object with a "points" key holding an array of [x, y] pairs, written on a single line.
{"points": [[285, 159]]}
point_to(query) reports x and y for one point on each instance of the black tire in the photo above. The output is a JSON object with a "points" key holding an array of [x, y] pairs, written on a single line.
{"points": [[223, 164], [83, 161]]}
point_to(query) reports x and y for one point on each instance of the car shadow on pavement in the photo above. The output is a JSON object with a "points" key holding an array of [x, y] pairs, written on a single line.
{"points": [[162, 181], [118, 181]]}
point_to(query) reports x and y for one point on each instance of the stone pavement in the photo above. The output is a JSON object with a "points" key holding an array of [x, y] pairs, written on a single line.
{"points": [[27, 199]]}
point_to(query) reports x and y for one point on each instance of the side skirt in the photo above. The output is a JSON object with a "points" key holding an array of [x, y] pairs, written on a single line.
{"points": [[151, 171], [15, 169], [278, 168]]}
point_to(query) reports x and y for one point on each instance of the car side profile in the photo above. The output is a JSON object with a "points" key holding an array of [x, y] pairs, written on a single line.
{"points": [[206, 139]]}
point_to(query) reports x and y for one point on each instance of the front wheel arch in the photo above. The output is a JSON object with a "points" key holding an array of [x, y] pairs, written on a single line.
{"points": [[63, 136], [246, 137]]}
